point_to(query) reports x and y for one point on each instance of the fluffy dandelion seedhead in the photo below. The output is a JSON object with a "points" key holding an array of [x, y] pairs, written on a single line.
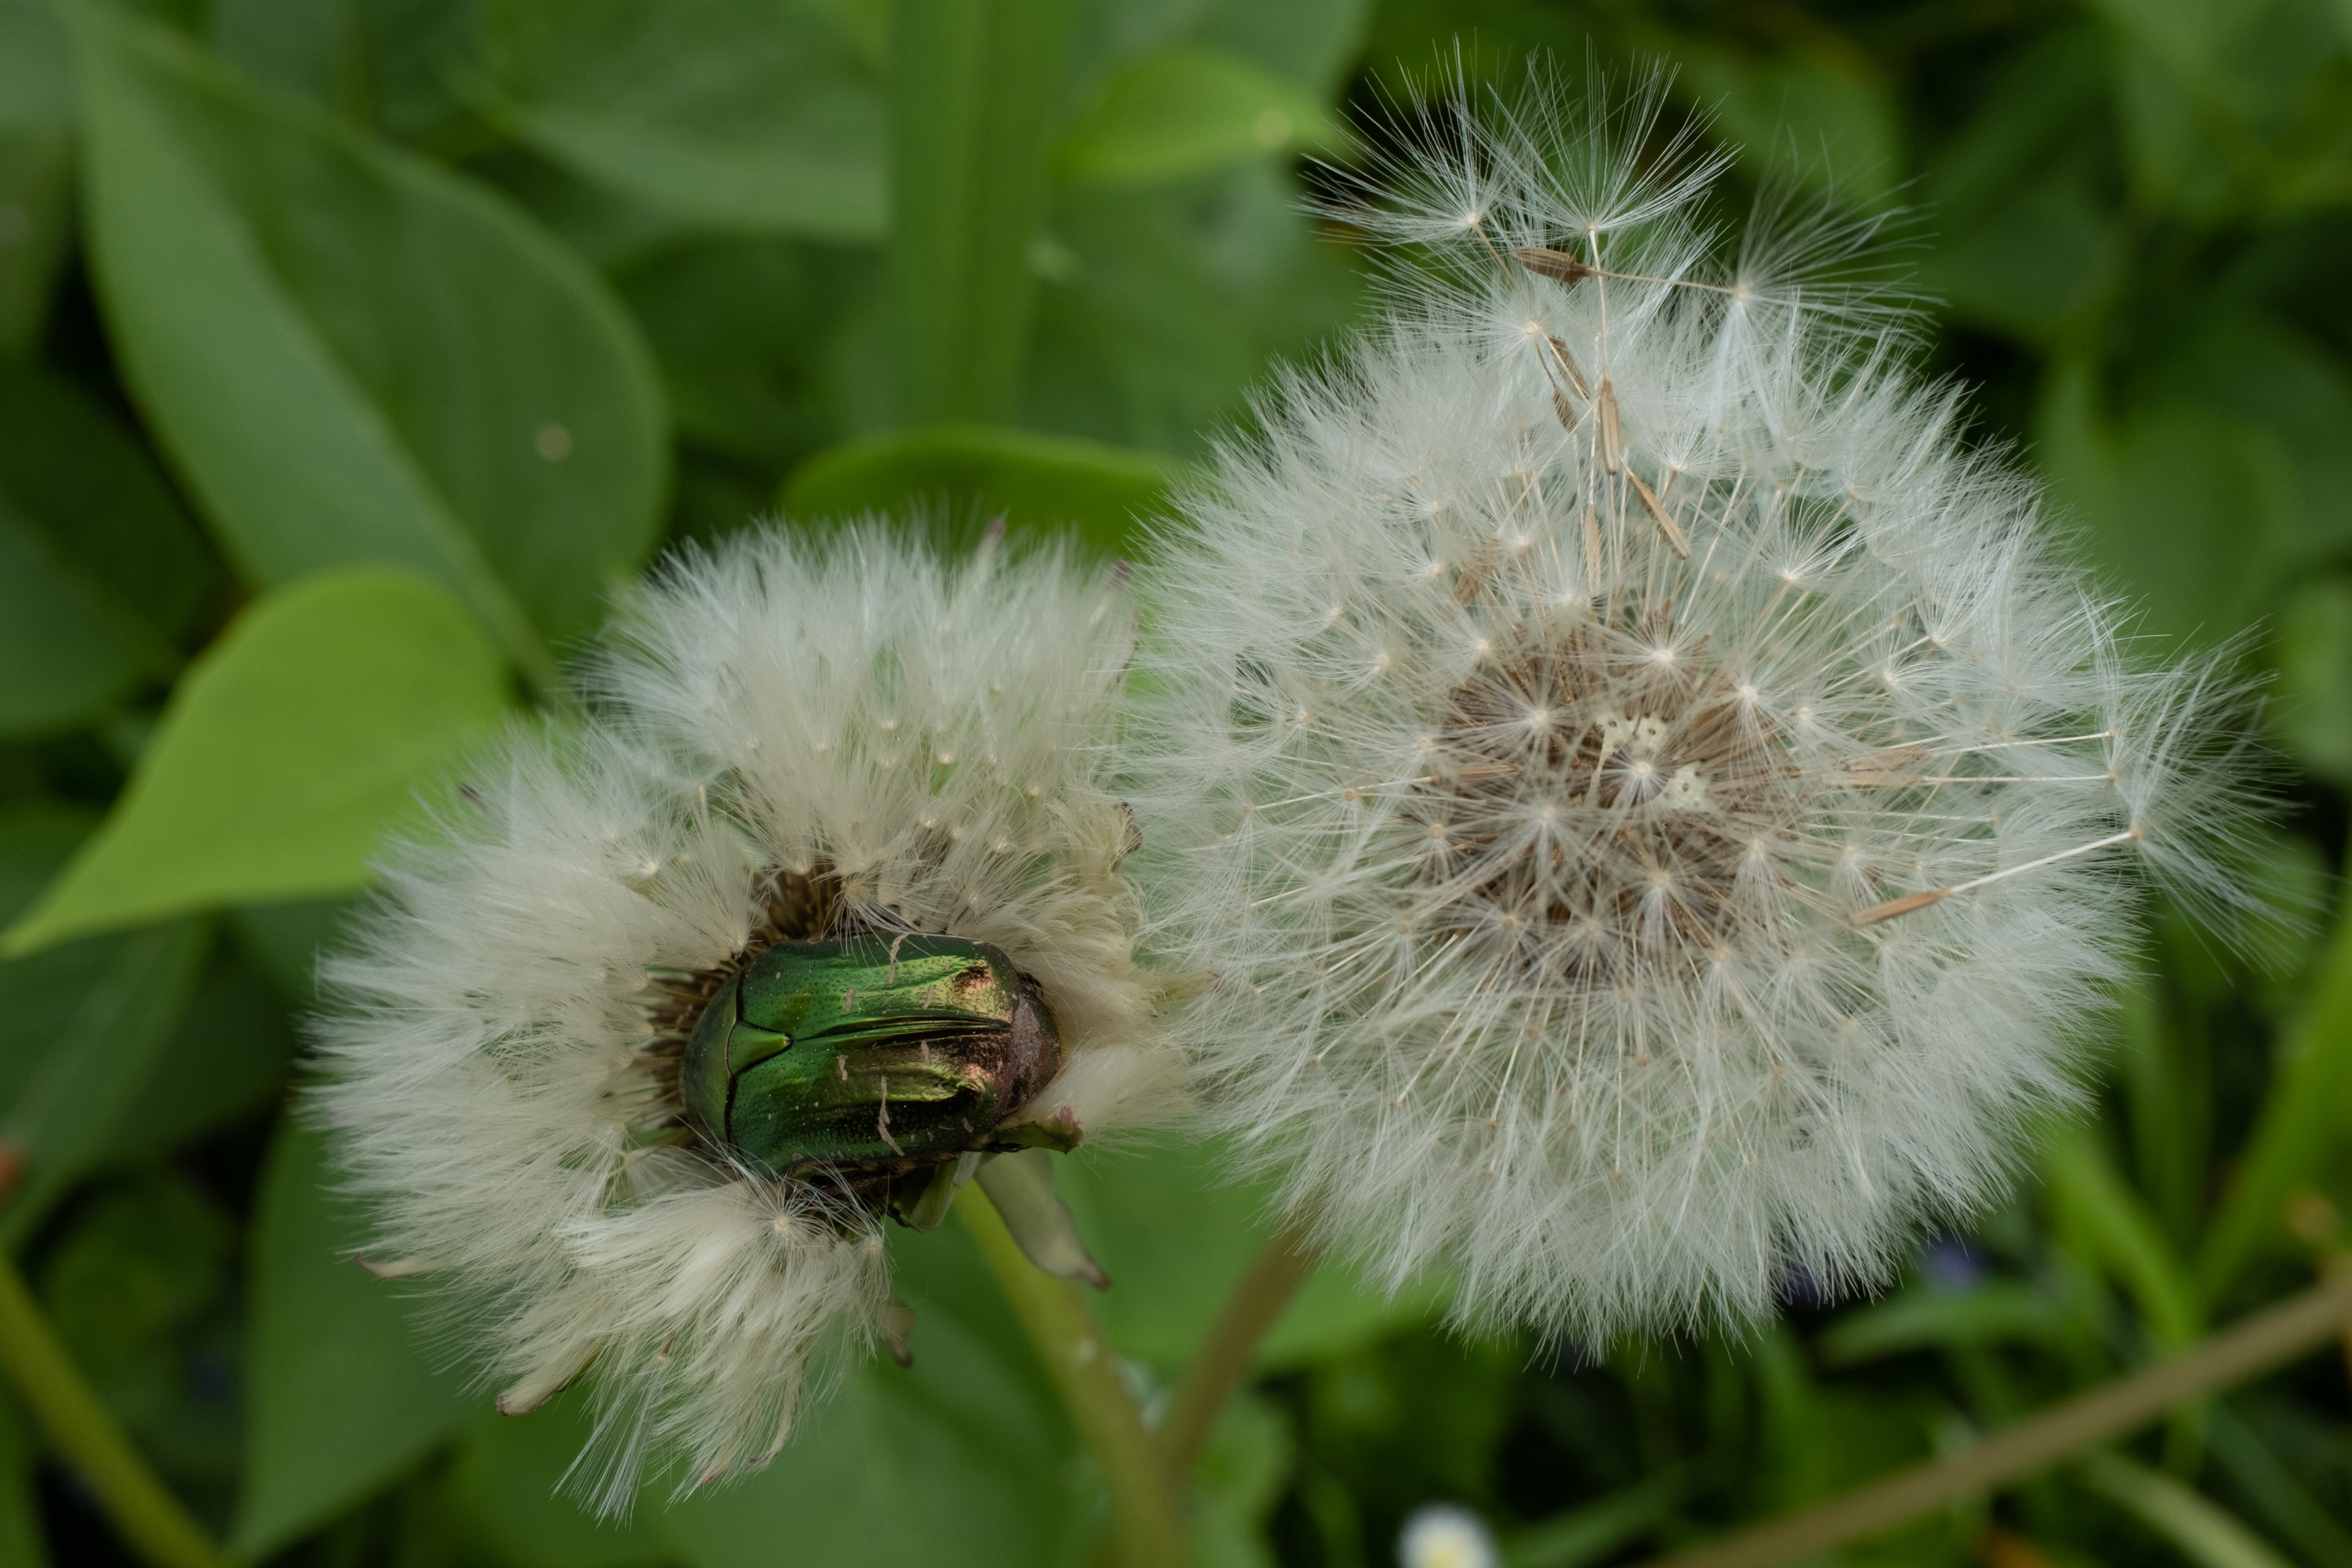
{"points": [[1656, 813], [812, 768]]}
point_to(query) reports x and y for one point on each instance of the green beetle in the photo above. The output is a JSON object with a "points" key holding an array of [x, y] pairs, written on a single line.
{"points": [[876, 1059]]}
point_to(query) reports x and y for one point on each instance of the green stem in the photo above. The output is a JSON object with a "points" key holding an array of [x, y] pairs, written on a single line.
{"points": [[1145, 1523], [975, 90], [149, 1517], [1225, 1357]]}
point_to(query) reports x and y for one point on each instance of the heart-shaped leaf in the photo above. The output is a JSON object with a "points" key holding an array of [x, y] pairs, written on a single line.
{"points": [[284, 752], [352, 354]]}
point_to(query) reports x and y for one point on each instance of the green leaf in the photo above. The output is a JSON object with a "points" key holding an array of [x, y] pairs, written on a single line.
{"points": [[971, 1433], [1998, 1311], [1033, 479], [1597, 1530], [974, 89], [36, 838], [81, 1030], [36, 169], [340, 1395], [1165, 306], [36, 81], [745, 113], [2313, 713], [2297, 1132], [35, 223], [98, 565], [2203, 1530], [1245, 1467], [354, 355], [1315, 44], [2104, 1220], [385, 63], [964, 1457], [80, 1026], [1189, 111], [141, 1284], [2264, 1479], [95, 491], [2150, 488], [67, 653], [2051, 93], [21, 1544], [1822, 118], [2041, 263], [1175, 1235], [291, 744], [228, 1058], [742, 324], [508, 1476], [2297, 391], [282, 940]]}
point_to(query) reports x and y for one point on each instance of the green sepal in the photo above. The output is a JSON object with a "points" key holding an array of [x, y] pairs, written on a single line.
{"points": [[1021, 1186]]}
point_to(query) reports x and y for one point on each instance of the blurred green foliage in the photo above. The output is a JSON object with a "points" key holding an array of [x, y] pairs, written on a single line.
{"points": [[351, 349]]}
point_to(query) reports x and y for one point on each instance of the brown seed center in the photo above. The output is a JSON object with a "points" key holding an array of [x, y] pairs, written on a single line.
{"points": [[1598, 794]]}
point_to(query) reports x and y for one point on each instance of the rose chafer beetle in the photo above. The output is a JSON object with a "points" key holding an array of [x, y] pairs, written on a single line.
{"points": [[876, 1062]]}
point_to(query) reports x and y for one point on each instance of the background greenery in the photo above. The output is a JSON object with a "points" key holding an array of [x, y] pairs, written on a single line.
{"points": [[351, 349]]}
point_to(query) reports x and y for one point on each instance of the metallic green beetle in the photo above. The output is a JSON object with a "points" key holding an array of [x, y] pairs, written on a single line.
{"points": [[876, 1058]]}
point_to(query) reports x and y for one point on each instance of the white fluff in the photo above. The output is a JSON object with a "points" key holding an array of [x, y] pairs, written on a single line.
{"points": [[787, 703], [1524, 856]]}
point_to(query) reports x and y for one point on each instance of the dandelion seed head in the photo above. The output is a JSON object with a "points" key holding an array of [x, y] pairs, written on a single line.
{"points": [[1753, 952], [503, 1045]]}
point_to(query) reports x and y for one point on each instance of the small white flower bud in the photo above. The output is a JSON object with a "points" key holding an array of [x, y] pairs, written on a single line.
{"points": [[1444, 1536]]}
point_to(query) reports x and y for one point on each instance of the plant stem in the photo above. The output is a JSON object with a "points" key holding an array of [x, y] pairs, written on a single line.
{"points": [[975, 88], [149, 1517], [1146, 1526], [1225, 1358], [2251, 1345]]}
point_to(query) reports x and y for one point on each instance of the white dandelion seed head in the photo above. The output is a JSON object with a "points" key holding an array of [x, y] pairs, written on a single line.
{"points": [[794, 735], [1657, 814]]}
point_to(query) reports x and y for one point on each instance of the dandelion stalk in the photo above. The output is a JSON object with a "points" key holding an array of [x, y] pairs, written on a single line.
{"points": [[1225, 1358], [149, 1517], [1145, 1523], [2254, 1345]]}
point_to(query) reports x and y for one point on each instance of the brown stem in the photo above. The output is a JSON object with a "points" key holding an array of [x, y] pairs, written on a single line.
{"points": [[1225, 1358], [2251, 1345]]}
